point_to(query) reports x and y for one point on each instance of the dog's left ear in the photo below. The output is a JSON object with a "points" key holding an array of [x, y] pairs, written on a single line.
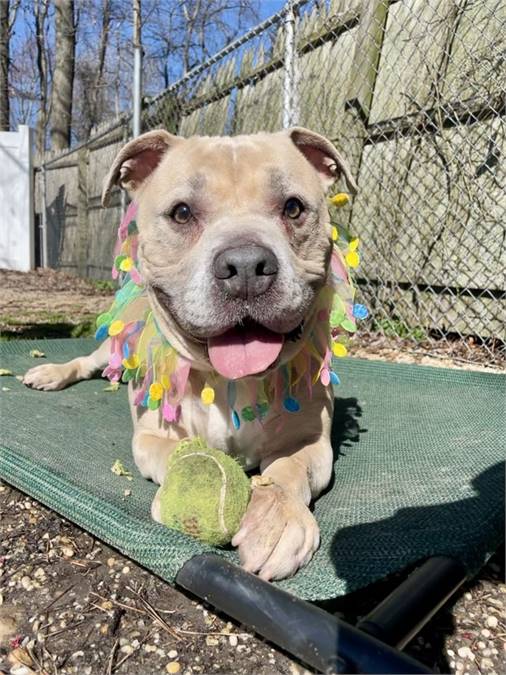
{"points": [[323, 156]]}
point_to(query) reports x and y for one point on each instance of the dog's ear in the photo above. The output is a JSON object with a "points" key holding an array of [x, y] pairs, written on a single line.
{"points": [[137, 160], [323, 156]]}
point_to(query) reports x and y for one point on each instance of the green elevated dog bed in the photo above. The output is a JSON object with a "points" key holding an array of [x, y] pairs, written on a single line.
{"points": [[418, 469]]}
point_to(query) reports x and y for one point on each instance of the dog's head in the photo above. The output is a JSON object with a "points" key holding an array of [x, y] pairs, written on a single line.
{"points": [[234, 239]]}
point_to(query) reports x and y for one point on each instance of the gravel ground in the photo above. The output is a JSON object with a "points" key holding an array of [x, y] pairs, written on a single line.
{"points": [[71, 604]]}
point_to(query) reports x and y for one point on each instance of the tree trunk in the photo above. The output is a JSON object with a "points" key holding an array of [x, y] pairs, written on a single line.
{"points": [[96, 95], [41, 7], [4, 65], [63, 75]]}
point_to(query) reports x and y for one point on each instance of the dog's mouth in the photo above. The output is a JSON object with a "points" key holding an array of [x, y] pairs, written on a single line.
{"points": [[247, 348]]}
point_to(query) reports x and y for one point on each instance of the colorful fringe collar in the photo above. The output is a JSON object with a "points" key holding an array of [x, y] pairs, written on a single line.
{"points": [[140, 352]]}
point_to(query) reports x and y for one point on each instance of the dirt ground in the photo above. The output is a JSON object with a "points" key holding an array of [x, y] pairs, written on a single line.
{"points": [[71, 604], [49, 304]]}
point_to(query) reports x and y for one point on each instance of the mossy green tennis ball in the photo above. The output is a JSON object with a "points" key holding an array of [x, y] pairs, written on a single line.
{"points": [[205, 492]]}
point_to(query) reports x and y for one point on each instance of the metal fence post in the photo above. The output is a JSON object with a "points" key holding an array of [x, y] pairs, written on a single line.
{"points": [[137, 74], [123, 193], [45, 252], [289, 75]]}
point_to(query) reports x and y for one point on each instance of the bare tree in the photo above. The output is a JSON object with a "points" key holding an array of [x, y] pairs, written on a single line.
{"points": [[71, 62], [180, 34], [8, 13], [63, 75], [91, 76], [4, 66], [40, 9]]}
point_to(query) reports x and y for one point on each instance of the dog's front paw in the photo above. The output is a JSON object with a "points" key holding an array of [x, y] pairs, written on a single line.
{"points": [[49, 377], [278, 534]]}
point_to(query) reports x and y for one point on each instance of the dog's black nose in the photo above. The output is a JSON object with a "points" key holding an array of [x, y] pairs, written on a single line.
{"points": [[245, 271]]}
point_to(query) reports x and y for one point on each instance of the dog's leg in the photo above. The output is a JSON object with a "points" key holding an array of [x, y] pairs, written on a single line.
{"points": [[53, 376], [151, 453], [279, 534]]}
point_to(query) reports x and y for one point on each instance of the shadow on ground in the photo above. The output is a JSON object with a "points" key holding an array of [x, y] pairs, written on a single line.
{"points": [[47, 331], [390, 549]]}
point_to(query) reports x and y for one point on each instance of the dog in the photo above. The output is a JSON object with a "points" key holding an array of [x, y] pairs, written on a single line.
{"points": [[235, 248]]}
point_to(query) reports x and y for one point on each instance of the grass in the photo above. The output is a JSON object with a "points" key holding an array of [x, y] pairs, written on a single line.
{"points": [[397, 328], [103, 285], [45, 325]]}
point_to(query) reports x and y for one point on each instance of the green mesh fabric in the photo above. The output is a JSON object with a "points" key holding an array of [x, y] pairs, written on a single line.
{"points": [[419, 468]]}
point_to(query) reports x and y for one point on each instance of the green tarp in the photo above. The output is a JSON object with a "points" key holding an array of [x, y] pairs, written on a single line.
{"points": [[418, 468]]}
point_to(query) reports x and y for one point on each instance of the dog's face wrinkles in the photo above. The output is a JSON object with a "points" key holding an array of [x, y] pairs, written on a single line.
{"points": [[233, 232]]}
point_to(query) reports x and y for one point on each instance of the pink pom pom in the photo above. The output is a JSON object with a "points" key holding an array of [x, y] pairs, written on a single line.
{"points": [[139, 397], [130, 214], [325, 377], [135, 276], [115, 361], [171, 413]]}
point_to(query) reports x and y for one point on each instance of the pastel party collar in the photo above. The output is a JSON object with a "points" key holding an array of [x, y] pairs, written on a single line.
{"points": [[141, 353]]}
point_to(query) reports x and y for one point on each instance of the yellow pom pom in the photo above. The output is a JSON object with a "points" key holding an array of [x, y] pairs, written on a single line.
{"points": [[207, 395], [340, 199], [335, 233], [338, 349], [132, 362], [116, 327], [126, 264], [156, 391], [353, 245], [352, 259], [165, 380]]}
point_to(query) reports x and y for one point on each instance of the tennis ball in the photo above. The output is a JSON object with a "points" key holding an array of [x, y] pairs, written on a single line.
{"points": [[205, 492]]}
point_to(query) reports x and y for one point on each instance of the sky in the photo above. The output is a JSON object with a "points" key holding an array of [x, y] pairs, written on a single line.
{"points": [[24, 81]]}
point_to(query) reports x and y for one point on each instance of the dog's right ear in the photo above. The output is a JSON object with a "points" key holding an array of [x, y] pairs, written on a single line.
{"points": [[137, 160]]}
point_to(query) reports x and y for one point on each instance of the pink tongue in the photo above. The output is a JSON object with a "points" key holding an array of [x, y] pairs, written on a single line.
{"points": [[244, 351]]}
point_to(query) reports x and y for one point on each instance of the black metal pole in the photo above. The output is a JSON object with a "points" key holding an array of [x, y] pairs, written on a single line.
{"points": [[408, 608], [304, 630]]}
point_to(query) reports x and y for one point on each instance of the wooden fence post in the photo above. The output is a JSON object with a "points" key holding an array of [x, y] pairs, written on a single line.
{"points": [[82, 237], [362, 80], [366, 59]]}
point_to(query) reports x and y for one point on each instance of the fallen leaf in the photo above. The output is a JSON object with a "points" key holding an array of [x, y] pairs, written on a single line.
{"points": [[20, 655], [114, 386], [37, 354], [5, 371], [8, 626], [118, 469]]}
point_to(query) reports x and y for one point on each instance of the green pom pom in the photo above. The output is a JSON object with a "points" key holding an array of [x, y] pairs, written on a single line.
{"points": [[205, 493]]}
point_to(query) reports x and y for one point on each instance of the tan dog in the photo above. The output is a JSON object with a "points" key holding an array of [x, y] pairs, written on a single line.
{"points": [[234, 240]]}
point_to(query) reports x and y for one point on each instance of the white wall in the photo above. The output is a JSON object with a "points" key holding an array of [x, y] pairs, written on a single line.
{"points": [[16, 200]]}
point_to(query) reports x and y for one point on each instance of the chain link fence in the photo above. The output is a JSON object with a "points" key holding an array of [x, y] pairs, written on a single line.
{"points": [[413, 92]]}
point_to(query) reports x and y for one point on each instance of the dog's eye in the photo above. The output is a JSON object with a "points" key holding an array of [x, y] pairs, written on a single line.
{"points": [[293, 208], [181, 213]]}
